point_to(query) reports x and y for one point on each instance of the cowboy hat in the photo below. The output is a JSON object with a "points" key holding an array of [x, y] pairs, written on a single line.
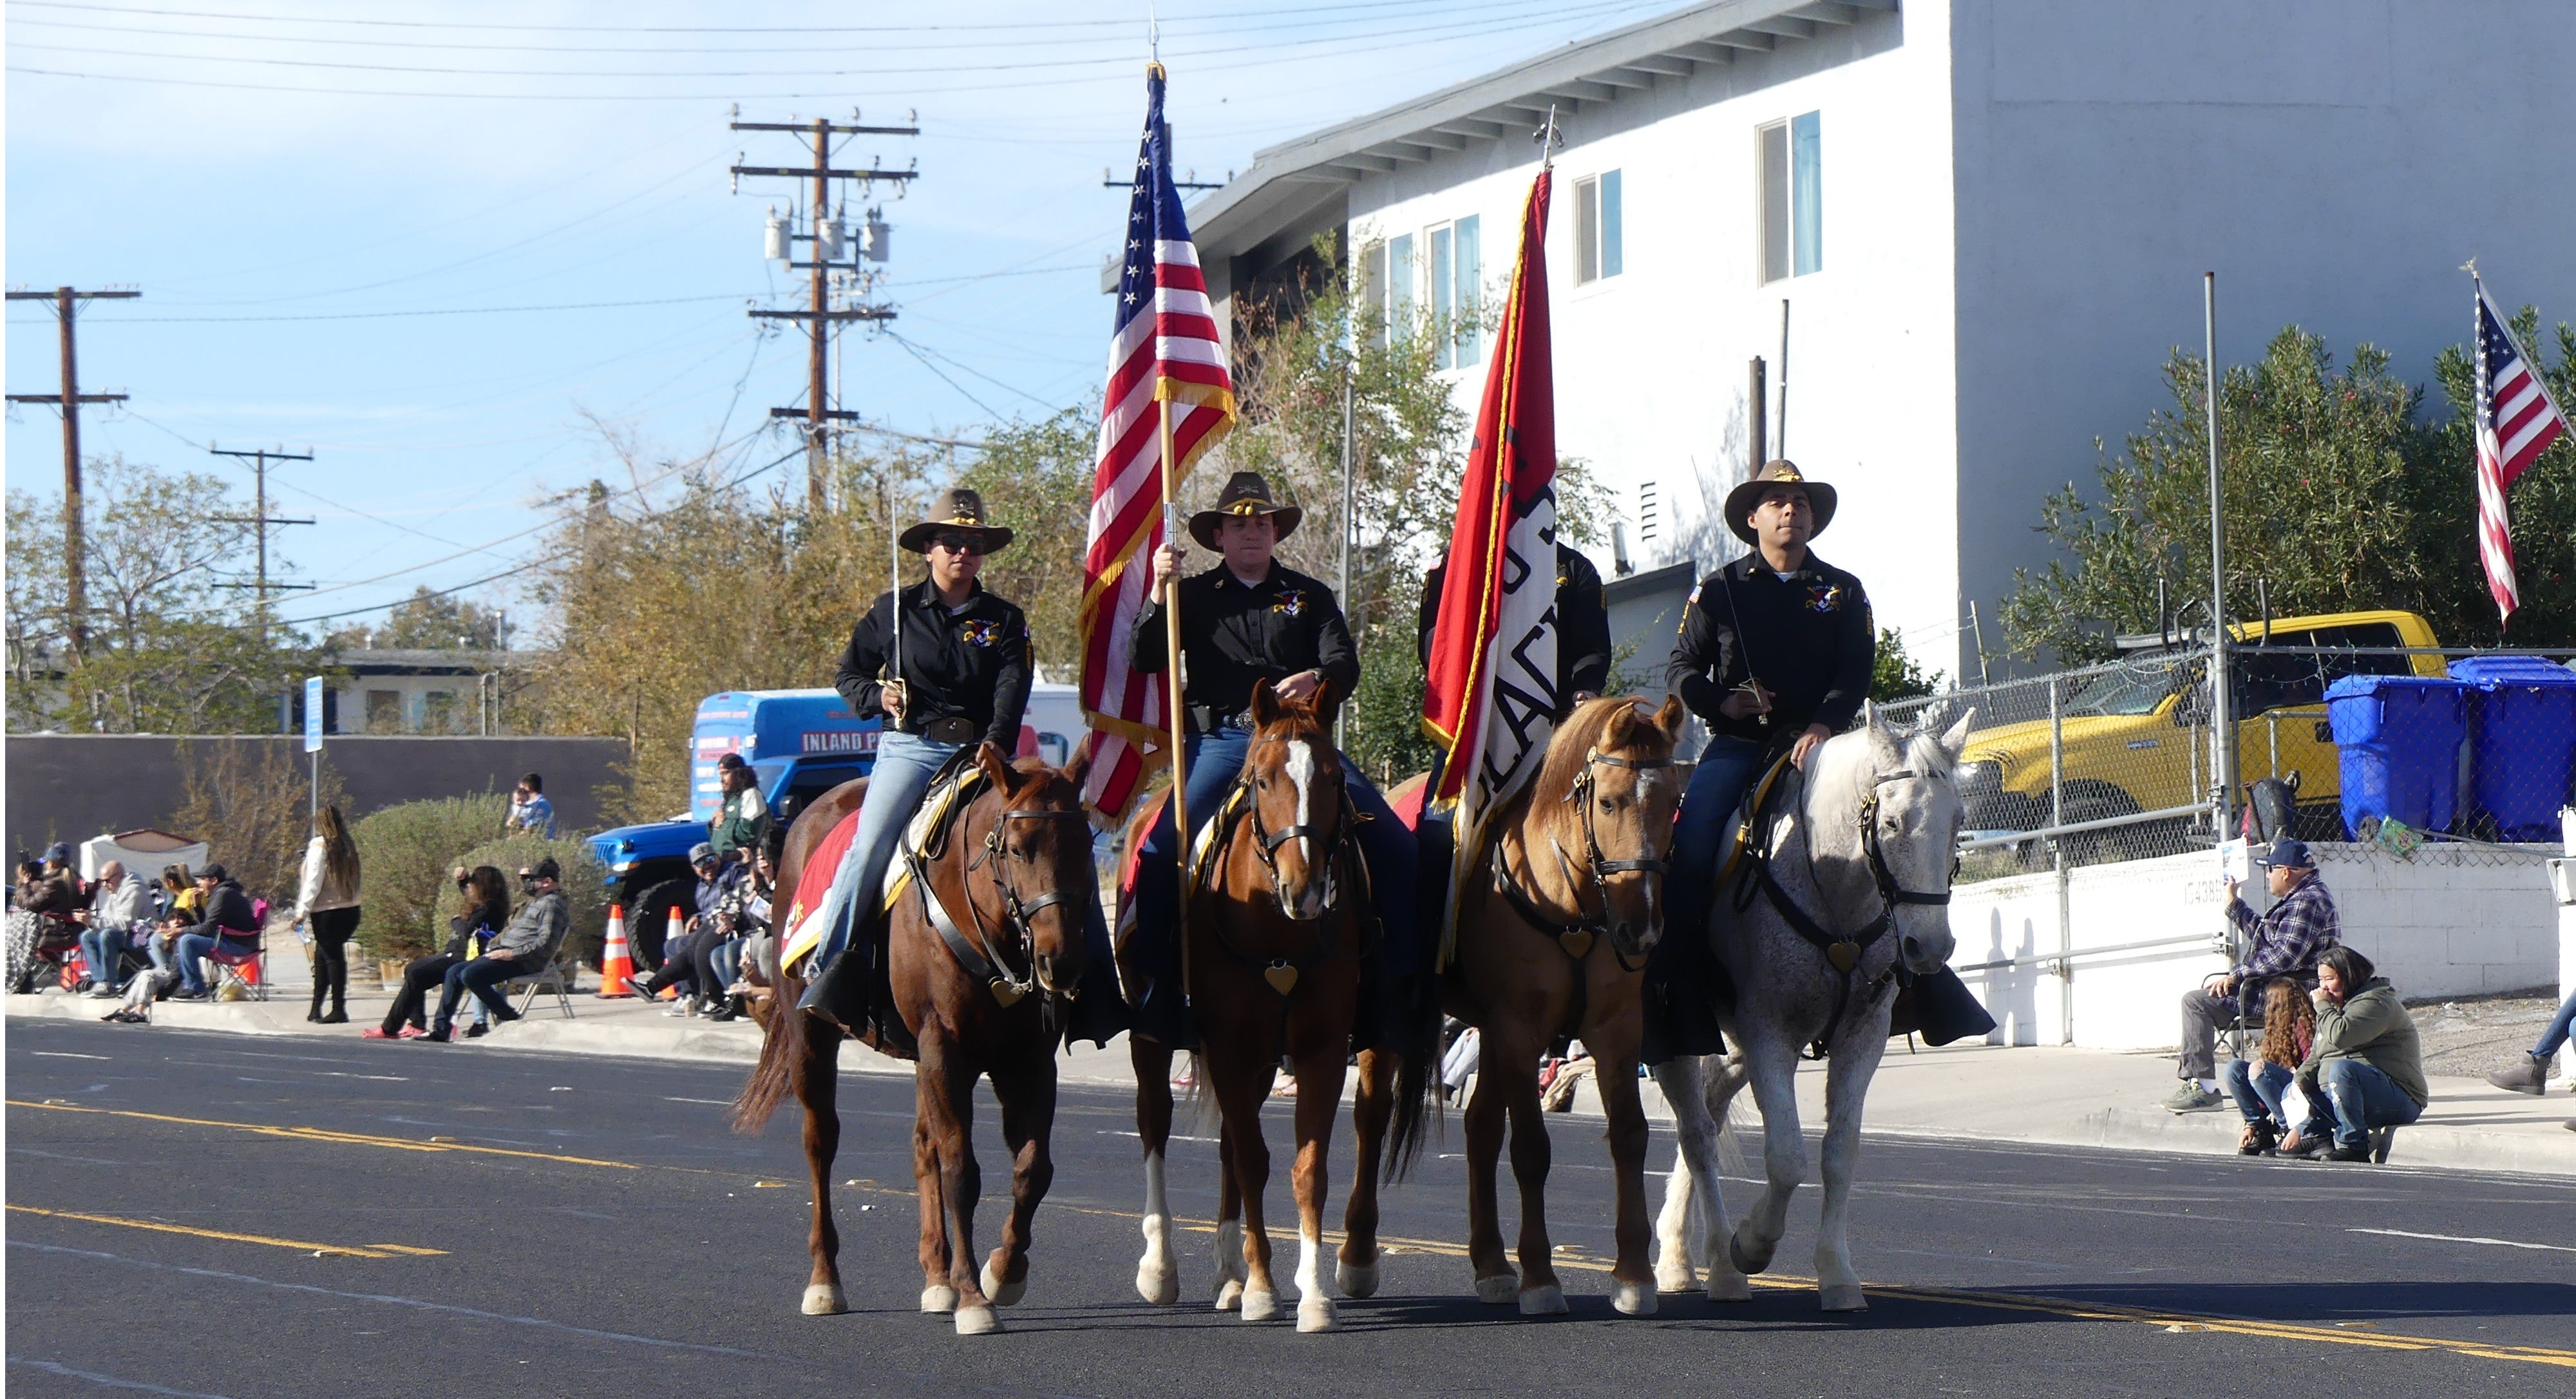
{"points": [[959, 509], [1245, 494], [1741, 500]]}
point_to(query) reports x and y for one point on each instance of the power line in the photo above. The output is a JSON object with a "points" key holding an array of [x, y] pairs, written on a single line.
{"points": [[468, 25], [920, 350]]}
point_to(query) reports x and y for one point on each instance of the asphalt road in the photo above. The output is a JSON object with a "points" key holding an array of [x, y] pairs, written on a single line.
{"points": [[208, 1214]]}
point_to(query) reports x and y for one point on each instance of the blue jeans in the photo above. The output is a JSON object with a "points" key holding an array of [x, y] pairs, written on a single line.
{"points": [[2258, 1090], [2556, 1034], [482, 976], [2361, 1097], [191, 946], [1726, 767], [103, 947], [905, 765]]}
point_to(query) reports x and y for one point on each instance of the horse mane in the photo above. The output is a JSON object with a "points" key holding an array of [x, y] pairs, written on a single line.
{"points": [[1569, 749]]}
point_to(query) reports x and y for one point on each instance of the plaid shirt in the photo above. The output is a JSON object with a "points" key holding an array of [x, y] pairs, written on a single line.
{"points": [[2292, 936]]}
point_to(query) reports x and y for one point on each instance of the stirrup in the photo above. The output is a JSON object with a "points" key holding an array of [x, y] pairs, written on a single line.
{"points": [[839, 994]]}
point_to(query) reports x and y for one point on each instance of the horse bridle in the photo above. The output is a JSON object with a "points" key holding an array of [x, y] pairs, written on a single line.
{"points": [[981, 956], [1282, 972], [1576, 938]]}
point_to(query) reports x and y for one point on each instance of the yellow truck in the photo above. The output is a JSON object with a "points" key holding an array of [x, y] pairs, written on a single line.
{"points": [[2136, 738]]}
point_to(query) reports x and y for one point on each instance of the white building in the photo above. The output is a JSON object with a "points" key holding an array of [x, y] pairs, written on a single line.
{"points": [[1989, 217]]}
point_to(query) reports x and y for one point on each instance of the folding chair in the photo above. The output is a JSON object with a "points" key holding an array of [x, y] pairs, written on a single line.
{"points": [[247, 970], [557, 977]]}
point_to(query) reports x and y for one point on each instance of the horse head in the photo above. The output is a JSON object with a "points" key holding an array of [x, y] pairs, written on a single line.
{"points": [[1039, 851], [1909, 819], [1617, 808], [1292, 781]]}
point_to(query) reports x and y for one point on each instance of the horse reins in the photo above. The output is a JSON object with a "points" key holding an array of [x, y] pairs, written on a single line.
{"points": [[980, 956]]}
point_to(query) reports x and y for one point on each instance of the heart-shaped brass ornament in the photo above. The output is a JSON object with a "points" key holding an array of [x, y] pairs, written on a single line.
{"points": [[1575, 943], [1844, 955], [1006, 993], [1281, 976]]}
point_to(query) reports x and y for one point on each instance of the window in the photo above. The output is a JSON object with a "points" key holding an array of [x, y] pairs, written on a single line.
{"points": [[1372, 292], [1457, 266], [1399, 285], [384, 711], [1596, 228], [438, 712], [1793, 215]]}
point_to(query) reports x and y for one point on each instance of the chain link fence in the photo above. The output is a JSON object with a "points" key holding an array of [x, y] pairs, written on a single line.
{"points": [[2117, 761]]}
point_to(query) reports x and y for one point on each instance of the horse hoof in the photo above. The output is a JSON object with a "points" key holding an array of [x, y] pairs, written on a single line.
{"points": [[1003, 1293], [1632, 1298], [1546, 1299], [1843, 1297], [1229, 1295], [825, 1299], [1356, 1279], [1676, 1277], [1744, 1263], [1500, 1288], [938, 1300], [978, 1321], [1316, 1314], [1260, 1306], [1158, 1282], [1728, 1287]]}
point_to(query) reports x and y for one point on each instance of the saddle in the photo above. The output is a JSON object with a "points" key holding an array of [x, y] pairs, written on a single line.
{"points": [[866, 1011]]}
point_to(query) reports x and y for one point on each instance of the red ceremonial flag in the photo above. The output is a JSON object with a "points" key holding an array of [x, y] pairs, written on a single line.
{"points": [[1164, 350], [1490, 695]]}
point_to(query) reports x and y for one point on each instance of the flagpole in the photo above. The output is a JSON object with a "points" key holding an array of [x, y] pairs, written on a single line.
{"points": [[1173, 712]]}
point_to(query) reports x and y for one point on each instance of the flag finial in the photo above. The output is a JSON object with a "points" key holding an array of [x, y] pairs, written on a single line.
{"points": [[1550, 140]]}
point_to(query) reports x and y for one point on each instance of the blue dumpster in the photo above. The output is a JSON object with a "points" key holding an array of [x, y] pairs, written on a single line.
{"points": [[2522, 741], [2400, 741]]}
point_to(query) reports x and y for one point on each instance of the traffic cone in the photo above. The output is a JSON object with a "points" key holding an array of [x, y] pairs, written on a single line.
{"points": [[672, 932], [616, 960]]}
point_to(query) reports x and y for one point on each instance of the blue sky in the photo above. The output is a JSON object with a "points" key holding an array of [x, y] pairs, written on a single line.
{"points": [[291, 186]]}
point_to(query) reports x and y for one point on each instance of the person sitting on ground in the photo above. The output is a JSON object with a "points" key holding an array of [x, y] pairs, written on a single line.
{"points": [[529, 809], [2365, 1074], [228, 925], [486, 892], [742, 821], [524, 948], [684, 963], [2260, 1087], [2531, 1073], [108, 924], [2285, 941]]}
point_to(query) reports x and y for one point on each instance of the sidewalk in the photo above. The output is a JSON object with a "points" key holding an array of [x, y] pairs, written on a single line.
{"points": [[2057, 1096]]}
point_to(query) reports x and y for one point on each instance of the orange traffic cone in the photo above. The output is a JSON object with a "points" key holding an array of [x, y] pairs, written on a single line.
{"points": [[616, 960], [672, 932]]}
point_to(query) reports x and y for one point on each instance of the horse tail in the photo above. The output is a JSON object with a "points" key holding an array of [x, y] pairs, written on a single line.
{"points": [[782, 1053], [1417, 1076]]}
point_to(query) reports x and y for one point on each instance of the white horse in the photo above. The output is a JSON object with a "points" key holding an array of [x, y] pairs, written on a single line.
{"points": [[1859, 862]]}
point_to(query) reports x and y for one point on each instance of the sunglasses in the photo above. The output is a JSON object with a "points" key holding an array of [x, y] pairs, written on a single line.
{"points": [[960, 543]]}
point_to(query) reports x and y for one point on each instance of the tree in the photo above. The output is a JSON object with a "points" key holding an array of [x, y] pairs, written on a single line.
{"points": [[1036, 479], [1894, 675], [426, 621]]}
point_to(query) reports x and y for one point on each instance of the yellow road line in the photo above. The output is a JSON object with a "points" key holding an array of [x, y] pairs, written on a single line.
{"points": [[299, 1245], [1566, 1257]]}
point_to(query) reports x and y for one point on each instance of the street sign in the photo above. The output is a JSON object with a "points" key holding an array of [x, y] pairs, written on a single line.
{"points": [[313, 714]]}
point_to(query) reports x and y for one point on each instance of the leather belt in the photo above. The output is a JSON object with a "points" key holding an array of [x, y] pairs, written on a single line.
{"points": [[1204, 719], [953, 729]]}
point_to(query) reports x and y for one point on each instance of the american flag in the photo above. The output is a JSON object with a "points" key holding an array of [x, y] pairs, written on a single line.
{"points": [[1165, 350], [2516, 422]]}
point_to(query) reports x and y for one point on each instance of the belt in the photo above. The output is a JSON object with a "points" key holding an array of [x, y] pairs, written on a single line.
{"points": [[953, 729], [1204, 719]]}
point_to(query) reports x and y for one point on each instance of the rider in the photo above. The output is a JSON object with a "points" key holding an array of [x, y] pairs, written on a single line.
{"points": [[964, 679], [1246, 620], [1775, 655]]}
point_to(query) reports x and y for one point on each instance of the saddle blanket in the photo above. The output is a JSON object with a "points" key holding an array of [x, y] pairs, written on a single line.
{"points": [[807, 929]]}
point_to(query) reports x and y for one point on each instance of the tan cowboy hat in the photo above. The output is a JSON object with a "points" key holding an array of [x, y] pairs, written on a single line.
{"points": [[1245, 494], [1741, 500], [960, 509]]}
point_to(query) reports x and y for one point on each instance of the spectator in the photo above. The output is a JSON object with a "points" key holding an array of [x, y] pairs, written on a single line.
{"points": [[329, 900], [688, 960], [2289, 1030], [116, 907], [2365, 1074], [2531, 1075], [743, 820], [41, 930], [1459, 1063], [529, 809], [742, 919], [523, 949], [487, 911], [228, 924], [2287, 941]]}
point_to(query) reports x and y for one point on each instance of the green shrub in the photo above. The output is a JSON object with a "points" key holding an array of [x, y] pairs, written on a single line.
{"points": [[407, 852], [585, 885]]}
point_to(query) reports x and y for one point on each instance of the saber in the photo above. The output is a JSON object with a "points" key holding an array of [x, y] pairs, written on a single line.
{"points": [[894, 576]]}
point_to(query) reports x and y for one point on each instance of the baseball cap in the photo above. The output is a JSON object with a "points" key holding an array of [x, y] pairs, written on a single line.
{"points": [[2288, 853], [547, 869], [59, 853], [701, 852]]}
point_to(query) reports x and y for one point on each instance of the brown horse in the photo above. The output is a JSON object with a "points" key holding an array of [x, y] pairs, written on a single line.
{"points": [[1279, 940], [1562, 905], [981, 953]]}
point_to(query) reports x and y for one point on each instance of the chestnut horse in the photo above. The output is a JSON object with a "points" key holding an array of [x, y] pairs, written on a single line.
{"points": [[980, 997], [1280, 940], [1556, 914]]}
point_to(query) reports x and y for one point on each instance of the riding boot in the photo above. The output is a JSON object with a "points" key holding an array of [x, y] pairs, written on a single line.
{"points": [[839, 993], [1946, 1010]]}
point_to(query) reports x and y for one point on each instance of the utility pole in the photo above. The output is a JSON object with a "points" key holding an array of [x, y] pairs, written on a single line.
{"points": [[259, 519], [67, 303], [825, 232]]}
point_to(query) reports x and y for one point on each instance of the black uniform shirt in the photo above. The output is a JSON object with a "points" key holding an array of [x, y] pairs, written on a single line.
{"points": [[1808, 637], [1234, 634], [972, 663], [1582, 625]]}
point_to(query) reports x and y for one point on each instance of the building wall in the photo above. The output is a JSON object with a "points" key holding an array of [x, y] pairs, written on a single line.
{"points": [[2334, 161], [1651, 364]]}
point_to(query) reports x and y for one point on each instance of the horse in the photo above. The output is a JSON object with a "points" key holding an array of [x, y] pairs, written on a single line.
{"points": [[1277, 947], [982, 949], [1836, 891], [1553, 930]]}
